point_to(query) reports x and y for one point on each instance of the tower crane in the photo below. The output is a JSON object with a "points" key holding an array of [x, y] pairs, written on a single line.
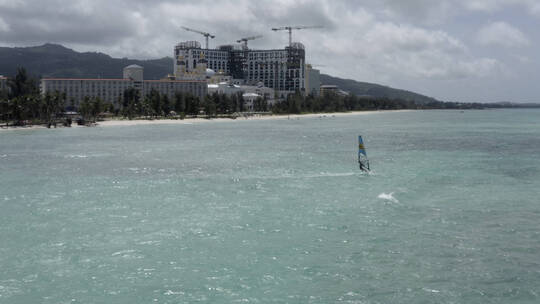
{"points": [[245, 40], [290, 28], [205, 34]]}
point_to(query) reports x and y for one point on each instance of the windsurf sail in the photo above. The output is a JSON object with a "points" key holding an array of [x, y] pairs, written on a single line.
{"points": [[363, 161]]}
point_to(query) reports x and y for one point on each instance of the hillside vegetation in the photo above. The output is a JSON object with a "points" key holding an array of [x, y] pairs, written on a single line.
{"points": [[375, 90], [52, 60]]}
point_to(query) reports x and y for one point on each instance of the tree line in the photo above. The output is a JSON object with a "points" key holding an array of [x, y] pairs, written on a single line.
{"points": [[156, 105], [334, 102], [23, 104]]}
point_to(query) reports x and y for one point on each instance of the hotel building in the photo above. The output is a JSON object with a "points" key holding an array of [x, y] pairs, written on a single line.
{"points": [[112, 90]]}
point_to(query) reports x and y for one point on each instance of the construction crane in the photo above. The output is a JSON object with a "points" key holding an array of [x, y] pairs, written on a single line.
{"points": [[206, 35], [290, 28], [245, 40]]}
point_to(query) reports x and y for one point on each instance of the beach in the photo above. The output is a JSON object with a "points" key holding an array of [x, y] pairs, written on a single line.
{"points": [[138, 122]]}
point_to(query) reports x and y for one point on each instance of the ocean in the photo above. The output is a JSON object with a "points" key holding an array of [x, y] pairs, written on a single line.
{"points": [[275, 211]]}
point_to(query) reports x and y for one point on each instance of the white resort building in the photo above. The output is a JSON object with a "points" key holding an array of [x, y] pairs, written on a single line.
{"points": [[249, 93], [112, 90]]}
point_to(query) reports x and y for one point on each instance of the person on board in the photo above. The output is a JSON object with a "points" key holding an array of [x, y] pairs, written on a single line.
{"points": [[362, 167]]}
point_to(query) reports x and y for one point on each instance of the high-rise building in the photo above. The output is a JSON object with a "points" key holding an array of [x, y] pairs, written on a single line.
{"points": [[313, 80], [279, 69], [190, 65]]}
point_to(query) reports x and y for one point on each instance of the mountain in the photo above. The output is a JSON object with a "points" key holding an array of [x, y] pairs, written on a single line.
{"points": [[375, 90], [53, 60]]}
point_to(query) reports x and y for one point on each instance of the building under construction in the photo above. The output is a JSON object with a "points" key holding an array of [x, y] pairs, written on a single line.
{"points": [[280, 69]]}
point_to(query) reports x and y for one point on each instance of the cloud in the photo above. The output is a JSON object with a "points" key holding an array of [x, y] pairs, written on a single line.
{"points": [[383, 51], [535, 9], [490, 6], [486, 5], [438, 12], [423, 54], [60, 21], [4, 27], [357, 39], [416, 11], [502, 34]]}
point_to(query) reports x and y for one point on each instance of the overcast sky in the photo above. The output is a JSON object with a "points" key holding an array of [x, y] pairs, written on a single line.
{"points": [[464, 50]]}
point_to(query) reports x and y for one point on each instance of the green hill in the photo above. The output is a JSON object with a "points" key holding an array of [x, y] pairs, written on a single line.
{"points": [[375, 90], [53, 60]]}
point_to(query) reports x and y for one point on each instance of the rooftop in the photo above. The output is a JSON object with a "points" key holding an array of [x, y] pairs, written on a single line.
{"points": [[92, 79], [133, 66], [117, 79], [251, 95]]}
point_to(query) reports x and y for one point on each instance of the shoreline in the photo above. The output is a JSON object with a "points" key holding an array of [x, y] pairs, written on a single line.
{"points": [[122, 122], [189, 121]]}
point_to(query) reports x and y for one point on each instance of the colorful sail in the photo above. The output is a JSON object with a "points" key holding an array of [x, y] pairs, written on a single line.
{"points": [[362, 155], [361, 149]]}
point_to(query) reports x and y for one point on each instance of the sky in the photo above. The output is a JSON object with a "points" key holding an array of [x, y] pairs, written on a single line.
{"points": [[453, 50]]}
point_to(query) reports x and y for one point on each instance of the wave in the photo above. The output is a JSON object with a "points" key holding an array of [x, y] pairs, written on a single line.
{"points": [[329, 174], [315, 175], [76, 156], [388, 197]]}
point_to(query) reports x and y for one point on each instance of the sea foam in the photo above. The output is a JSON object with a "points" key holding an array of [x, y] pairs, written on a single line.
{"points": [[388, 197]]}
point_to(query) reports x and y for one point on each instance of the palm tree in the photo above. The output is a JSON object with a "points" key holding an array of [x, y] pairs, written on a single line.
{"points": [[130, 102], [22, 84], [4, 108], [52, 106], [96, 108], [85, 109]]}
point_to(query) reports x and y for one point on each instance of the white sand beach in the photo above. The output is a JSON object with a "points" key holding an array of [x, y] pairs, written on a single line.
{"points": [[136, 122], [122, 122]]}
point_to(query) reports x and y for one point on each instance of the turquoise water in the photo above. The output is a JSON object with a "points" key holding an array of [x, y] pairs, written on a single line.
{"points": [[275, 211]]}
